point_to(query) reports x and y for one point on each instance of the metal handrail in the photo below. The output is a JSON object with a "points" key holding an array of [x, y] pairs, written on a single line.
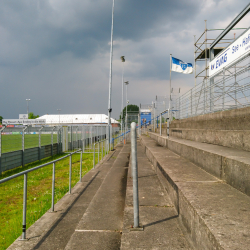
{"points": [[25, 174], [99, 151]]}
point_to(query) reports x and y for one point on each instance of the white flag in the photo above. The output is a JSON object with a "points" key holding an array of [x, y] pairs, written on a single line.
{"points": [[181, 67]]}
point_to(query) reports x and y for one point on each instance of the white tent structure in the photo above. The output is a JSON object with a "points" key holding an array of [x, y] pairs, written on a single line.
{"points": [[78, 119]]}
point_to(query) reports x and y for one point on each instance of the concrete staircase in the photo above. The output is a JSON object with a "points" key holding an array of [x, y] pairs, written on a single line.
{"points": [[99, 212], [91, 217], [205, 167]]}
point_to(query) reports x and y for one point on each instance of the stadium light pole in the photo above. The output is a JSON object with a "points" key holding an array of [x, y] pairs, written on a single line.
{"points": [[110, 75], [123, 60], [126, 125], [59, 110], [28, 107]]}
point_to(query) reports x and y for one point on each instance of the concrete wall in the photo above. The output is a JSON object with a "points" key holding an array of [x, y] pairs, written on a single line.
{"points": [[229, 128]]}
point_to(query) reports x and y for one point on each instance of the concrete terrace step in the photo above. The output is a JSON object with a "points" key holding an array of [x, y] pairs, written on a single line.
{"points": [[228, 164], [54, 230], [214, 214], [157, 213], [101, 225]]}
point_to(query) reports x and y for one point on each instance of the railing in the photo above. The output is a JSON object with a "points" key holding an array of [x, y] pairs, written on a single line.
{"points": [[229, 89], [25, 174], [103, 143], [104, 146]]}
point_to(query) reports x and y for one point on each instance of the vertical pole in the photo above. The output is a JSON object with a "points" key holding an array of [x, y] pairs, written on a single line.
{"points": [[24, 205], [91, 137], [70, 172], [94, 157], [23, 146], [134, 174], [110, 73], [169, 110], [194, 62], [58, 140], [1, 130], [81, 167], [211, 83], [154, 117], [53, 187], [168, 125], [52, 141], [204, 94], [83, 143], [160, 122], [40, 156], [71, 137], [191, 101], [235, 90], [223, 93], [98, 151], [102, 149]]}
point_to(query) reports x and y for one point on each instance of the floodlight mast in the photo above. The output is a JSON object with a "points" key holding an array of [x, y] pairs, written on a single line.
{"points": [[110, 75], [123, 60], [126, 125]]}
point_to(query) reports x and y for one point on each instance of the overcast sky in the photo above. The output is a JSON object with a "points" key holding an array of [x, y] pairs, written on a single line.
{"points": [[56, 52]]}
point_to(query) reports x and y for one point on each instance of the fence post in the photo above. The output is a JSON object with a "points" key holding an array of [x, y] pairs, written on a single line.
{"points": [[23, 145], [134, 174], [53, 187], [71, 135], [98, 151], [40, 153], [83, 142], [102, 149], [24, 206], [52, 141], [59, 140], [81, 167], [91, 136], [1, 149]]}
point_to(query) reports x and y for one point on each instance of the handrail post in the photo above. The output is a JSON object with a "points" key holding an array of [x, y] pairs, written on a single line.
{"points": [[81, 167], [70, 172], [53, 187], [134, 174], [24, 205]]}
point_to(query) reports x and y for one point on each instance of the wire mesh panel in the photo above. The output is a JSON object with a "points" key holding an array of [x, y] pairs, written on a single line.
{"points": [[11, 139], [20, 145]]}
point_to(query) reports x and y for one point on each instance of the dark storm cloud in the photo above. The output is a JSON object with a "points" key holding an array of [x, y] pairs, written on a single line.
{"points": [[56, 52]]}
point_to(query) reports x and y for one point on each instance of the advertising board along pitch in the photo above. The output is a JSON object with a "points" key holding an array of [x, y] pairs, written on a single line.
{"points": [[238, 49], [23, 121]]}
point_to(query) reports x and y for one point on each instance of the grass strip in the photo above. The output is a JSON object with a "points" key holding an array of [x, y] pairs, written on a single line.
{"points": [[39, 193]]}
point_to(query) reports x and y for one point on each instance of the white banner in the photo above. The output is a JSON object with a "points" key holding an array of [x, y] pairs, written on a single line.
{"points": [[23, 121], [237, 49]]}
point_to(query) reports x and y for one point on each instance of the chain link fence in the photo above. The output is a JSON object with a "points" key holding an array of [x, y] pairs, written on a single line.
{"points": [[20, 145]]}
